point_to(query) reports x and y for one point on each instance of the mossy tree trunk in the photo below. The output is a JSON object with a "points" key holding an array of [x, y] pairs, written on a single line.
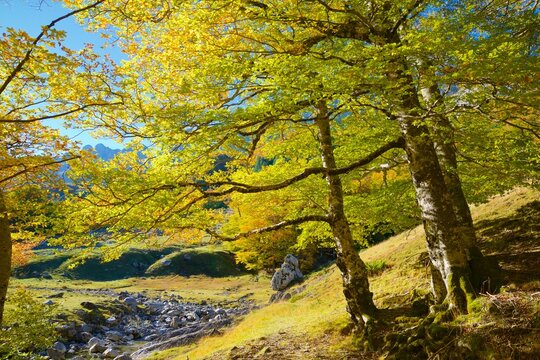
{"points": [[5, 254], [359, 299], [485, 274], [447, 249]]}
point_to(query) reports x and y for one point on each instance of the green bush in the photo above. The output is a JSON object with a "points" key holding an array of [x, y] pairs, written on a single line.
{"points": [[376, 267], [27, 327]]}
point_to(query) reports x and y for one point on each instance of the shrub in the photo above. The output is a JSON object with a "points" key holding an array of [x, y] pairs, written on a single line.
{"points": [[376, 267], [28, 327]]}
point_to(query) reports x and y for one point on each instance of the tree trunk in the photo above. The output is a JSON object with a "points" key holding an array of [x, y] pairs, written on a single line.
{"points": [[485, 273], [446, 248], [359, 299], [5, 254]]}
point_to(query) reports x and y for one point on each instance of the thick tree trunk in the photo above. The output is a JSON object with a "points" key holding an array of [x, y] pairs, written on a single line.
{"points": [[359, 299], [485, 273], [5, 254], [446, 248]]}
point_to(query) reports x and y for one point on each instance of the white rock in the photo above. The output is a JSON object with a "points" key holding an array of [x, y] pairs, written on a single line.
{"points": [[288, 272], [111, 353]]}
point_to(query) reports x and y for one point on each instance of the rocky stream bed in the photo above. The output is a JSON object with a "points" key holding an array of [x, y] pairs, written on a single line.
{"points": [[132, 325]]}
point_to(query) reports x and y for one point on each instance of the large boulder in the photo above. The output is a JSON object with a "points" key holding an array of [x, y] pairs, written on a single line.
{"points": [[288, 273]]}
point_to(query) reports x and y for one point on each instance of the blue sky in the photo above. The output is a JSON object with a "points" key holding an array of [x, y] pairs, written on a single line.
{"points": [[30, 15]]}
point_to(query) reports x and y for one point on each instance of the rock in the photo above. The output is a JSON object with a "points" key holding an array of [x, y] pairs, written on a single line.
{"points": [[114, 336], [46, 275], [85, 328], [131, 302], [89, 305], [124, 356], [111, 353], [288, 273], [175, 322], [97, 348], [95, 340], [85, 336], [67, 331], [57, 295], [165, 262], [220, 311], [57, 351], [48, 302], [193, 317], [111, 320], [280, 296]]}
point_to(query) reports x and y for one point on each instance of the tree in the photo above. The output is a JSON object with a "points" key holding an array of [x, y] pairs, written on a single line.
{"points": [[233, 70], [34, 73]]}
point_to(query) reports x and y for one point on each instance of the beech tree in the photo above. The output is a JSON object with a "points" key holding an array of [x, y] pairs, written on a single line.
{"points": [[40, 80], [206, 77]]}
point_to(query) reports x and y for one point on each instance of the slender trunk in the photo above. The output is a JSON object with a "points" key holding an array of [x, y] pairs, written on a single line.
{"points": [[359, 299], [485, 274], [5, 254]]}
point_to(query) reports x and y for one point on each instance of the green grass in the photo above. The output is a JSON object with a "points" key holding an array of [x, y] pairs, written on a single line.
{"points": [[319, 312], [198, 261], [135, 262]]}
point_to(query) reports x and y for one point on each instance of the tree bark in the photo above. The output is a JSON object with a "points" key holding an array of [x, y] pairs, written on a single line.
{"points": [[447, 249], [5, 254], [359, 299], [485, 273]]}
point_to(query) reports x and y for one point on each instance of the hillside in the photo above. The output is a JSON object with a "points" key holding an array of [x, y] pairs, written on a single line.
{"points": [[312, 323], [308, 326]]}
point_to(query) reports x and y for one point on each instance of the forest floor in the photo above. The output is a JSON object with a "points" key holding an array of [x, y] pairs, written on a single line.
{"points": [[502, 325]]}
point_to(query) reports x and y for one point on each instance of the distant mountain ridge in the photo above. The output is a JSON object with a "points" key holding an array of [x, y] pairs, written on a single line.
{"points": [[103, 152]]}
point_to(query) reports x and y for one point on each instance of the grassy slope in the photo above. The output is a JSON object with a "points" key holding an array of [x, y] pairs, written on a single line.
{"points": [[208, 260], [309, 324]]}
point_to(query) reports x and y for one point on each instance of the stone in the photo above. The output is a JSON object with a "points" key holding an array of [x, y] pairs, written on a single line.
{"points": [[95, 340], [131, 302], [57, 295], [175, 322], [288, 273], [193, 317], [84, 327], [85, 336], [165, 262], [48, 302], [57, 351], [89, 305], [113, 336], [67, 331], [47, 276], [111, 353], [124, 356], [97, 348]]}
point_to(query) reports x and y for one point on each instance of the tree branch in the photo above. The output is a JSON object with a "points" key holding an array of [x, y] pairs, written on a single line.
{"points": [[20, 65], [52, 116], [280, 225], [31, 168]]}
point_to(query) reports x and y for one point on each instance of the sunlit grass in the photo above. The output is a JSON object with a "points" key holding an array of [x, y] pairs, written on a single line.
{"points": [[320, 309]]}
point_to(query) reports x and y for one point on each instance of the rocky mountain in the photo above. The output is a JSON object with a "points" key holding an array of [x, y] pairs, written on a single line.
{"points": [[103, 152]]}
